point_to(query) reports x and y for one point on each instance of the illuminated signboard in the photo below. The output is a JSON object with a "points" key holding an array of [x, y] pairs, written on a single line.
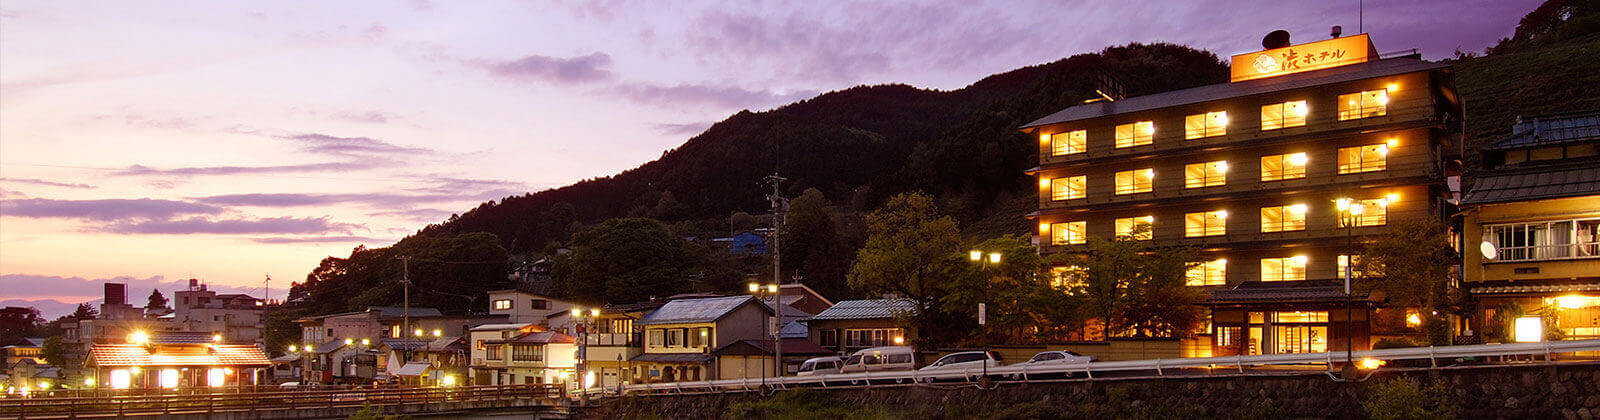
{"points": [[1304, 57]]}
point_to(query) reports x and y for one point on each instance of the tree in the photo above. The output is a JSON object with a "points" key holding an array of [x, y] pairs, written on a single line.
{"points": [[85, 312], [1134, 287], [157, 304], [54, 352], [812, 245], [634, 259], [19, 323], [741, 221], [1411, 263], [452, 273], [1016, 291], [916, 253]]}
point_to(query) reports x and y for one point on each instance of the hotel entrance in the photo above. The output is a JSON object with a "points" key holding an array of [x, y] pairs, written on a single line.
{"points": [[1271, 332], [1258, 321]]}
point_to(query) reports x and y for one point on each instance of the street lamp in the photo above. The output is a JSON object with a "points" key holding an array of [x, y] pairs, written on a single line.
{"points": [[777, 305], [583, 318], [1349, 214], [984, 265]]}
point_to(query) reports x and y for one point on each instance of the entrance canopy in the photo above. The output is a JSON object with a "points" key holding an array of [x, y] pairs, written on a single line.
{"points": [[128, 355]]}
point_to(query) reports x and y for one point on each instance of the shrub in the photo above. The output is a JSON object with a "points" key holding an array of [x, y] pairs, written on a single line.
{"points": [[1403, 399]]}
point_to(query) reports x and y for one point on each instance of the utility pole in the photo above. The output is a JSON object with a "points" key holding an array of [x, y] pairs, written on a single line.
{"points": [[405, 309], [778, 206]]}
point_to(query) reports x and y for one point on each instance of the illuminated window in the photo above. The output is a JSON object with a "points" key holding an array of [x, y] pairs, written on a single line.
{"points": [[1209, 174], [1371, 103], [1344, 262], [1281, 167], [1373, 212], [1363, 159], [1209, 273], [1283, 269], [1284, 115], [1140, 228], [500, 304], [1135, 181], [1068, 143], [1135, 134], [1283, 218], [1205, 125], [1067, 277], [1069, 233], [1211, 223], [1067, 188]]}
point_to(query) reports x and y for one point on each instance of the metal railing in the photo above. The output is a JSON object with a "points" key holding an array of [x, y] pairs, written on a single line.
{"points": [[137, 402], [1158, 366]]}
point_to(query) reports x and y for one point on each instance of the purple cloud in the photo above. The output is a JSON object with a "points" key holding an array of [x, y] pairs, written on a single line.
{"points": [[200, 225], [683, 129], [347, 146], [104, 210], [557, 70], [46, 183], [138, 170], [728, 97], [415, 215], [319, 239], [374, 117]]}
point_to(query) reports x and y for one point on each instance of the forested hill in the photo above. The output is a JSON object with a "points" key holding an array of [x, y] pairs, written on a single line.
{"points": [[857, 146]]}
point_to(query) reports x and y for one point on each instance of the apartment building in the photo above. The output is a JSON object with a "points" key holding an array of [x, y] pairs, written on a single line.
{"points": [[1277, 176]]}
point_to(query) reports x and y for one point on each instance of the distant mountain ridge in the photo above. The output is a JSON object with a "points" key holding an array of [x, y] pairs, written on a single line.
{"points": [[857, 145]]}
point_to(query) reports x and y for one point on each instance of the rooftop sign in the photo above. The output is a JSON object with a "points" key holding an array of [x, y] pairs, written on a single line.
{"points": [[1304, 57]]}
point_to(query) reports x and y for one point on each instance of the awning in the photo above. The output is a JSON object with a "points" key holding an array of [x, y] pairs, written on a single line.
{"points": [[1540, 288], [176, 355], [672, 358], [413, 369]]}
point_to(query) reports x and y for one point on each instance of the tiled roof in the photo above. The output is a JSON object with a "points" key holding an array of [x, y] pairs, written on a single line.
{"points": [[413, 369], [404, 344], [1551, 130], [1288, 292], [695, 310], [499, 327], [632, 307], [541, 337], [446, 343], [1341, 74], [398, 312], [794, 329], [1535, 288], [287, 358], [177, 355], [180, 337], [868, 309], [672, 358], [791, 347], [1542, 183], [328, 347]]}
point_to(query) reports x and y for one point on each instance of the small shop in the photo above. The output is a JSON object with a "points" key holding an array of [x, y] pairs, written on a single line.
{"points": [[176, 366]]}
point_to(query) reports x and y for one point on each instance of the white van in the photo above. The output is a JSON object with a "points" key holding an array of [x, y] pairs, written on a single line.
{"points": [[880, 359], [820, 366]]}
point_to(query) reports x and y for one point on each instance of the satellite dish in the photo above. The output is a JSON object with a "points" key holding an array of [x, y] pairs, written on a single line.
{"points": [[1488, 250]]}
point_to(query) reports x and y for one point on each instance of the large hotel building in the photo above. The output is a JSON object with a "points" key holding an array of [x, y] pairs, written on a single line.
{"points": [[1277, 176]]}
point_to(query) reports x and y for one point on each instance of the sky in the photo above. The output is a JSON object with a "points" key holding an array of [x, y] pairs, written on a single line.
{"points": [[152, 142]]}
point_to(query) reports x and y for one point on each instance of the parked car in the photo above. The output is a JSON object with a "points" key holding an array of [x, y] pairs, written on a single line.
{"points": [[820, 366], [1053, 358], [969, 362], [879, 359]]}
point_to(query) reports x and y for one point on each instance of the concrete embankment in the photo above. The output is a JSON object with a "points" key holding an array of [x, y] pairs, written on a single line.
{"points": [[1537, 390]]}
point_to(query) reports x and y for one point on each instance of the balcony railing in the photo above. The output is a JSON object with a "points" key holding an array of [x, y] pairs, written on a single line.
{"points": [[1549, 252], [614, 339]]}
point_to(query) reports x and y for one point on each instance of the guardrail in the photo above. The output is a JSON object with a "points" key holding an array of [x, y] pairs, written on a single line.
{"points": [[128, 403], [1023, 371]]}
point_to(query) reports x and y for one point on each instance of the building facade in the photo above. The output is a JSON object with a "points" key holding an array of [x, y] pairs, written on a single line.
{"points": [[1531, 232], [1276, 176], [852, 325], [680, 336]]}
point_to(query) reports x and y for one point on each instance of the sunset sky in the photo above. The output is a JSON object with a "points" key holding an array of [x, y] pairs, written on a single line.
{"points": [[154, 142]]}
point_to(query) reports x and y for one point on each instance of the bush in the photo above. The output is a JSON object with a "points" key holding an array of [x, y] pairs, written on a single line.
{"points": [[1401, 398], [802, 404], [1394, 343]]}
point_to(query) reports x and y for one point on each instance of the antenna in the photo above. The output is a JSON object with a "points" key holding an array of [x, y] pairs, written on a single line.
{"points": [[1361, 13]]}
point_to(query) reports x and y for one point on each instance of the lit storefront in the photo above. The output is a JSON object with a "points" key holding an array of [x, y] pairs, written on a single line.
{"points": [[1284, 320], [175, 366]]}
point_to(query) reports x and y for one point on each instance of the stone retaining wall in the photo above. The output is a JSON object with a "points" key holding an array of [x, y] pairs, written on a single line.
{"points": [[1570, 390]]}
